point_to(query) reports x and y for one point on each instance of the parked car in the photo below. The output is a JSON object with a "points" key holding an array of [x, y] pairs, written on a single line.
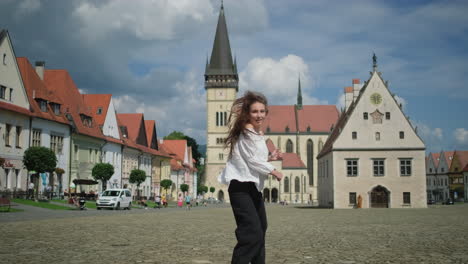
{"points": [[431, 201], [448, 202], [115, 199]]}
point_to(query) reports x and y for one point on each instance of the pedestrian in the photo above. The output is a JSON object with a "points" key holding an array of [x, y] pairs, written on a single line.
{"points": [[164, 201], [157, 201], [180, 201], [31, 190], [246, 169], [187, 202]]}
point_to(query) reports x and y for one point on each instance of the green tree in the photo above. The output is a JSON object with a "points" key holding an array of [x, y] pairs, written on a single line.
{"points": [[166, 184], [203, 189], [184, 188], [40, 160], [190, 142], [212, 190], [137, 176], [103, 172]]}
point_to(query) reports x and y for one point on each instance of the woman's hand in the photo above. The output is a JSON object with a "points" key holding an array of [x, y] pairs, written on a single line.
{"points": [[275, 155], [278, 175]]}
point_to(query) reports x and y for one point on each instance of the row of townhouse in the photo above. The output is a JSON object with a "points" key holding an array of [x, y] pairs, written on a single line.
{"points": [[43, 107], [447, 175]]}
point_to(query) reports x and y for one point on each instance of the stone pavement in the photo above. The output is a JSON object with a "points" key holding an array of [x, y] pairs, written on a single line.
{"points": [[206, 235]]}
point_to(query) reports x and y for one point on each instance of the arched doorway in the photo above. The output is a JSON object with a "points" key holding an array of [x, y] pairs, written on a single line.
{"points": [[379, 197], [266, 195], [221, 196], [274, 195]]}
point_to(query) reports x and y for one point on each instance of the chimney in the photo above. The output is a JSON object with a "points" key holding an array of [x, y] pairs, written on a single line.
{"points": [[356, 87], [40, 68]]}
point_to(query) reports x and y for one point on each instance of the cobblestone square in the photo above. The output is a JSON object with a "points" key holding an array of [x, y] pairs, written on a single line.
{"points": [[206, 235]]}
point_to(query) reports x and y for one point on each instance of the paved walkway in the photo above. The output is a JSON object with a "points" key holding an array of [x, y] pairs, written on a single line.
{"points": [[206, 235]]}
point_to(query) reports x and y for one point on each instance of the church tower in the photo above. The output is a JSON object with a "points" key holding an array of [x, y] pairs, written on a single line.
{"points": [[221, 84]]}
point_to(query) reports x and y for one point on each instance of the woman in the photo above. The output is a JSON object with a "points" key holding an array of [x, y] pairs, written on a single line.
{"points": [[245, 172]]}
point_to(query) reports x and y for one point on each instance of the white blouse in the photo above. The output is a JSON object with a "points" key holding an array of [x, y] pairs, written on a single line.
{"points": [[249, 161]]}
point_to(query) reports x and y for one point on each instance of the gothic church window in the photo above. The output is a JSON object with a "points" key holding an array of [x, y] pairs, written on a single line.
{"points": [[286, 184], [289, 146], [310, 161], [297, 185]]}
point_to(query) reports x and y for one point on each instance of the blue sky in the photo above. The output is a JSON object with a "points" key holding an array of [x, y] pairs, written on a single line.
{"points": [[151, 54]]}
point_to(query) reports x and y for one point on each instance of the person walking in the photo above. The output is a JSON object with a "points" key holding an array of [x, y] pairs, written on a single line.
{"points": [[245, 172], [180, 201], [187, 201], [157, 202]]}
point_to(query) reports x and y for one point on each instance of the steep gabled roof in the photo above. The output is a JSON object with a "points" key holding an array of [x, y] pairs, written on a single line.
{"points": [[448, 156], [318, 117], [62, 85], [135, 126], [462, 157], [96, 101], [35, 88], [176, 146], [279, 117], [435, 159], [151, 134]]}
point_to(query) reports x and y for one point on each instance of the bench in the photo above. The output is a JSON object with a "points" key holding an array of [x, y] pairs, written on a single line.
{"points": [[5, 202]]}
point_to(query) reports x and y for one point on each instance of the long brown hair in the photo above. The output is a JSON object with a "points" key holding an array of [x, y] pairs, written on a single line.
{"points": [[240, 115]]}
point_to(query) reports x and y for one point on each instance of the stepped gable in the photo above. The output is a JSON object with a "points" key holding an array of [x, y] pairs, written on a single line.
{"points": [[36, 89], [62, 85]]}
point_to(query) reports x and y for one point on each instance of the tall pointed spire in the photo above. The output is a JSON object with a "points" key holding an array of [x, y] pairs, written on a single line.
{"points": [[221, 57], [299, 95]]}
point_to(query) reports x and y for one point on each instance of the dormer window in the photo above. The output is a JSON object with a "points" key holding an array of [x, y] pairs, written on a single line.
{"points": [[308, 128], [87, 120], [43, 105], [286, 129], [123, 130], [99, 110], [56, 108]]}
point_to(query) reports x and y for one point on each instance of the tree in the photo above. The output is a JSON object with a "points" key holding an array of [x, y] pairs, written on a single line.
{"points": [[39, 160], [166, 184], [212, 190], [103, 172], [137, 176], [184, 187], [203, 189], [190, 142]]}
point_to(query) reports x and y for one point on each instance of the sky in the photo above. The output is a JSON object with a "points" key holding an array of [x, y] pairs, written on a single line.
{"points": [[151, 54]]}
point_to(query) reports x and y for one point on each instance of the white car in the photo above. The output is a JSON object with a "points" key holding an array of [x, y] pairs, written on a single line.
{"points": [[115, 199]]}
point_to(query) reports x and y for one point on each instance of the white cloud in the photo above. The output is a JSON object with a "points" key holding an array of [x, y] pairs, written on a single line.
{"points": [[278, 79], [28, 6], [461, 136], [433, 137], [146, 20]]}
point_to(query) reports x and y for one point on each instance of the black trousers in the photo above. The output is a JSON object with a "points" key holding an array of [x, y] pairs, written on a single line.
{"points": [[249, 212]]}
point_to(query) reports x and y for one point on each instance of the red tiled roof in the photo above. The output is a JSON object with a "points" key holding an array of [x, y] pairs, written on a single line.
{"points": [[175, 146], [448, 157], [462, 158], [133, 122], [96, 101], [14, 108], [292, 160], [279, 117], [62, 85], [149, 125], [35, 88], [435, 159], [466, 168]]}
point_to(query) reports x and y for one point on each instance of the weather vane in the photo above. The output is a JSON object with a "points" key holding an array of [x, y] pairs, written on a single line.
{"points": [[374, 60]]}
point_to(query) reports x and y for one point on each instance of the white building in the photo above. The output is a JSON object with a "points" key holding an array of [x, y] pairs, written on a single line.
{"points": [[14, 119], [374, 157]]}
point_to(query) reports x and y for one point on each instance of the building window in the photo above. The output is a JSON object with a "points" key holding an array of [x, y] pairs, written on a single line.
{"points": [[405, 167], [366, 115], [352, 198], [18, 137], [377, 136], [217, 118], [221, 156], [379, 167], [36, 138], [430, 169], [387, 115], [310, 161], [11, 94], [407, 198], [4, 58], [297, 185], [286, 184], [352, 167], [402, 135], [289, 146], [56, 109], [7, 135], [56, 144], [2, 92], [43, 105], [99, 110], [225, 118], [76, 150], [354, 135]]}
